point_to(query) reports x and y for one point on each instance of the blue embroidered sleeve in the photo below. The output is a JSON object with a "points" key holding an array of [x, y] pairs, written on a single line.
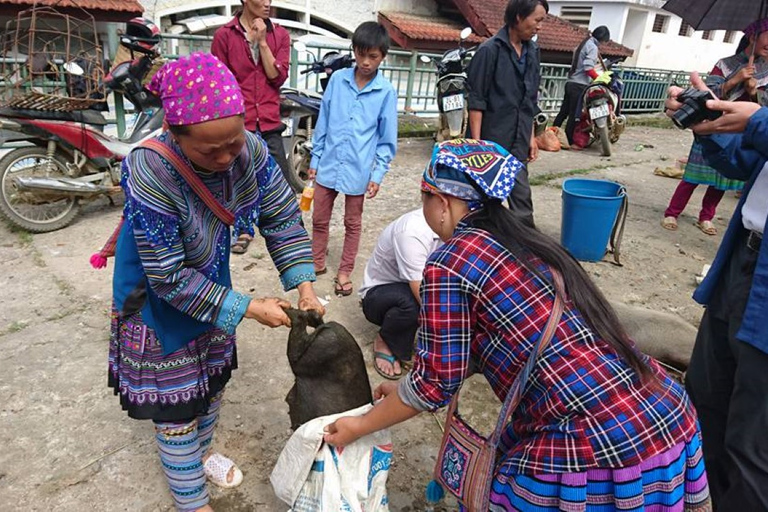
{"points": [[281, 226]]}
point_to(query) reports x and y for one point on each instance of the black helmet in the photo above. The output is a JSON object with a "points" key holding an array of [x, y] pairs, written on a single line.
{"points": [[141, 35]]}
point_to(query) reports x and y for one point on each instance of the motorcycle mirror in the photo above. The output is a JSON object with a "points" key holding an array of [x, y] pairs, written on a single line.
{"points": [[299, 46], [425, 59], [465, 33], [73, 69]]}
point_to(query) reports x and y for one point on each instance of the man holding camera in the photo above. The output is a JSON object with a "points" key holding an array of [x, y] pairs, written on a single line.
{"points": [[257, 52], [728, 375]]}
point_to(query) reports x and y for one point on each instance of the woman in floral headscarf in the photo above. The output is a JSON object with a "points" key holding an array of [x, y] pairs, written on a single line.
{"points": [[740, 77], [172, 348], [596, 417]]}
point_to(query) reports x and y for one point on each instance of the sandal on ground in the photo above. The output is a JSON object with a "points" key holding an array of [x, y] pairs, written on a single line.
{"points": [[391, 360], [217, 467], [240, 246], [321, 271], [707, 227], [669, 223], [344, 289]]}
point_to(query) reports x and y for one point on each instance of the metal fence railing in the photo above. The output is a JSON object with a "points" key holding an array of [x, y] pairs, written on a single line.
{"points": [[644, 89]]}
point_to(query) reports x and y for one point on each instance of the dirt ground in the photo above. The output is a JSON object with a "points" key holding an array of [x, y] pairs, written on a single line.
{"points": [[68, 445]]}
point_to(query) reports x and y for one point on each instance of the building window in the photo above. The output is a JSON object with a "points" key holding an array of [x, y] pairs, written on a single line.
{"points": [[728, 37], [708, 35], [577, 14], [660, 24], [685, 30]]}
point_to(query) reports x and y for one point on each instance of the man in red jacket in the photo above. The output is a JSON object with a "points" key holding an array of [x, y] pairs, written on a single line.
{"points": [[257, 52]]}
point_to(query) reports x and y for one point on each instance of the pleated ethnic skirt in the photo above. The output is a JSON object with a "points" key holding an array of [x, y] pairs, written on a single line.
{"points": [[673, 481], [176, 387]]}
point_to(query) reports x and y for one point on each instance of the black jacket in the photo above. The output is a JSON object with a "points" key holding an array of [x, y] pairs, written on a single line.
{"points": [[505, 92]]}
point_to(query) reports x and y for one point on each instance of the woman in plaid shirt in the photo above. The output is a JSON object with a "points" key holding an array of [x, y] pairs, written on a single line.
{"points": [[600, 426]]}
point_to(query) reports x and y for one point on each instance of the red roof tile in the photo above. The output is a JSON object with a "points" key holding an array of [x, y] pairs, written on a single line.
{"points": [[411, 30], [486, 17], [99, 9]]}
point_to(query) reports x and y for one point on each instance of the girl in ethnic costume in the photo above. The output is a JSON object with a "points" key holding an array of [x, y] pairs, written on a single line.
{"points": [[740, 77], [172, 347], [600, 426]]}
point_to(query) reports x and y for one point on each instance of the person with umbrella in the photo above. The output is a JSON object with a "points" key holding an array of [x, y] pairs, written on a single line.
{"points": [[728, 373], [740, 77]]}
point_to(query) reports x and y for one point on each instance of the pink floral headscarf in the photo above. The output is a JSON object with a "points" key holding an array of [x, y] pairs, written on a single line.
{"points": [[197, 88]]}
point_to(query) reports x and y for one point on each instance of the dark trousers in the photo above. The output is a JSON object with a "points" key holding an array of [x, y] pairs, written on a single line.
{"points": [[521, 201], [394, 308], [274, 140], [573, 93], [728, 383]]}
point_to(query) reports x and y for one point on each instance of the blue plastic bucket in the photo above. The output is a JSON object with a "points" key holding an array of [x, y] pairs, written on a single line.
{"points": [[590, 208]]}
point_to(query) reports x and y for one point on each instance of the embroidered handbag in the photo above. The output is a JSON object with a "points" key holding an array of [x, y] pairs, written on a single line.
{"points": [[465, 465]]}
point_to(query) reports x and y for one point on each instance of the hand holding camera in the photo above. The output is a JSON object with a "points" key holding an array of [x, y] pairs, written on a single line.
{"points": [[698, 109]]}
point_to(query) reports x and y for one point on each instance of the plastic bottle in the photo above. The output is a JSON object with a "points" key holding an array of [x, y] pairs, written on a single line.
{"points": [[306, 196]]}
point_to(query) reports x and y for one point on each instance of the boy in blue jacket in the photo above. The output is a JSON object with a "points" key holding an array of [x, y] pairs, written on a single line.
{"points": [[728, 375], [354, 142]]}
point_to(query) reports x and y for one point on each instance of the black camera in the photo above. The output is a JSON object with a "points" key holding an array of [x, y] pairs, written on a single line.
{"points": [[694, 109]]}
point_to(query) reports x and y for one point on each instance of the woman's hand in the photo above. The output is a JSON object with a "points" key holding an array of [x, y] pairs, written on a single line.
{"points": [[343, 431], [269, 311], [308, 298], [384, 389], [745, 73]]}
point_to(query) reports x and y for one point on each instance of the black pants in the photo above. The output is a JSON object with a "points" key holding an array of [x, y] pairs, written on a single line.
{"points": [[521, 201], [728, 383], [572, 101], [394, 308], [274, 140]]}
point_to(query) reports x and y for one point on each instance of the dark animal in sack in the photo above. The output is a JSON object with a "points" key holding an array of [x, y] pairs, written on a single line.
{"points": [[328, 366]]}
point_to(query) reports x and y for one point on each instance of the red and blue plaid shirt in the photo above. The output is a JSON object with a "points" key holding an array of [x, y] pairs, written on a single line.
{"points": [[584, 407]]}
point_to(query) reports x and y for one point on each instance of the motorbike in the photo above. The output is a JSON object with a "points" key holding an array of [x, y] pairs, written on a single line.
{"points": [[451, 89], [67, 158], [299, 110], [601, 114]]}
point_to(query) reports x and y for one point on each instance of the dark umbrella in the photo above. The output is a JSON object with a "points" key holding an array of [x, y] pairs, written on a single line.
{"points": [[718, 14]]}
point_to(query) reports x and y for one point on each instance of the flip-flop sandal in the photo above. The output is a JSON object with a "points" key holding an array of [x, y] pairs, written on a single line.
{"points": [[669, 223], [240, 246], [321, 271], [391, 360], [707, 227], [216, 469], [341, 289]]}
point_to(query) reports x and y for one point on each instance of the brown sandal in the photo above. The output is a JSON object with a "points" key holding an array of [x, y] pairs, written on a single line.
{"points": [[341, 289], [707, 227]]}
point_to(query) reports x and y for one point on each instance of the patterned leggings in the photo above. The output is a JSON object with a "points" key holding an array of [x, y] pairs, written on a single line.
{"points": [[181, 446]]}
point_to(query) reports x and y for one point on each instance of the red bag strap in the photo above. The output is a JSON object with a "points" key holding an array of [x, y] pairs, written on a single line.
{"points": [[192, 179]]}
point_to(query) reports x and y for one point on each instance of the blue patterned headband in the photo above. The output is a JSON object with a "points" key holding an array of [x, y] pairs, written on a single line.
{"points": [[472, 170]]}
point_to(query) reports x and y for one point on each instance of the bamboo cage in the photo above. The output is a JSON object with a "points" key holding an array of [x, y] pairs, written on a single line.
{"points": [[51, 61]]}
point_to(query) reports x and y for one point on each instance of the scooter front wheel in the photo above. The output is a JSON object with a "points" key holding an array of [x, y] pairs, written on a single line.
{"points": [[298, 161], [29, 211]]}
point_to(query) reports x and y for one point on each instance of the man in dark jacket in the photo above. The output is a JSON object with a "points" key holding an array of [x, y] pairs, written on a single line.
{"points": [[503, 81], [257, 52]]}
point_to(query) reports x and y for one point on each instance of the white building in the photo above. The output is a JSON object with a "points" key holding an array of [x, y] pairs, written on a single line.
{"points": [[660, 39]]}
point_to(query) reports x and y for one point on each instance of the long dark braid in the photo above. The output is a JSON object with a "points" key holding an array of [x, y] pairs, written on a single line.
{"points": [[526, 243]]}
